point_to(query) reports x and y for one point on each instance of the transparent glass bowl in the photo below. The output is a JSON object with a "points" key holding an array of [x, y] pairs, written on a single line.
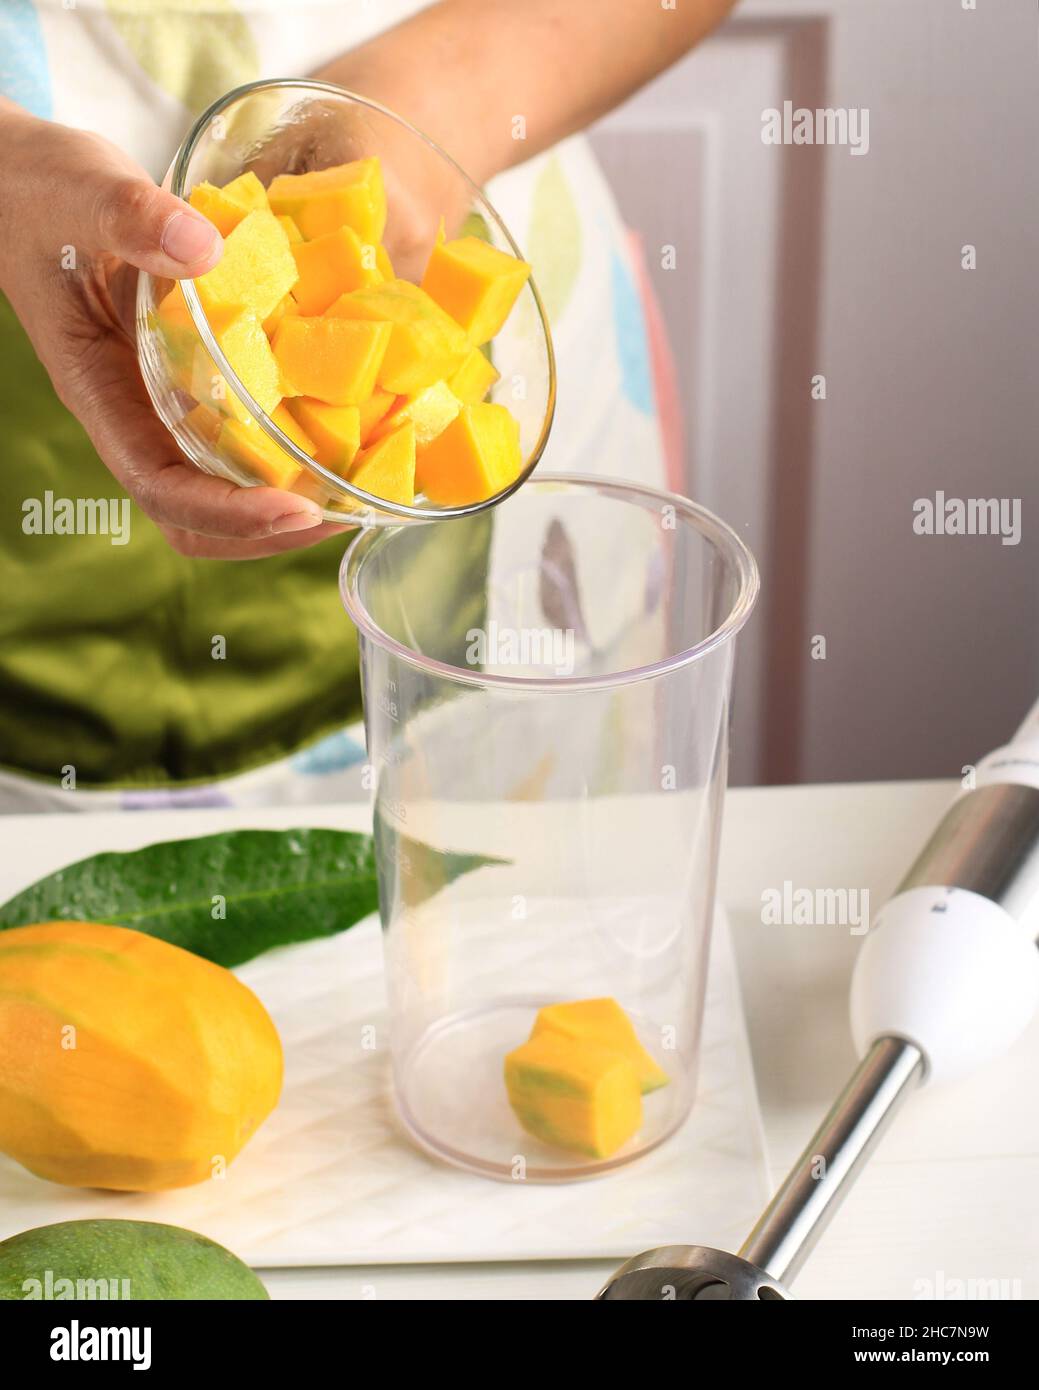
{"points": [[290, 126]]}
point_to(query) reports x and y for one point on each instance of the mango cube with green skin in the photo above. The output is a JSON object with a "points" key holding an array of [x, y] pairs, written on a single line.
{"points": [[323, 200], [386, 468], [604, 1023], [256, 270], [335, 360], [475, 283], [426, 344], [477, 456], [335, 431], [226, 207], [573, 1094]]}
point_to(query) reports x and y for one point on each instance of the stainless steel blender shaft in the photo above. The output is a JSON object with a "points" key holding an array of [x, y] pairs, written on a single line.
{"points": [[798, 1213], [986, 844]]}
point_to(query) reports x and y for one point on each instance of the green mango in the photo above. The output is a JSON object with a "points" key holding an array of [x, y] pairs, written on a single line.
{"points": [[121, 1260]]}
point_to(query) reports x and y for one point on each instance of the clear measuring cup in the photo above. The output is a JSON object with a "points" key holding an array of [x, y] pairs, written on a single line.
{"points": [[546, 695]]}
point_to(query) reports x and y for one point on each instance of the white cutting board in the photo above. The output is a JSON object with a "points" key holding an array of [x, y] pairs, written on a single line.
{"points": [[331, 1179]]}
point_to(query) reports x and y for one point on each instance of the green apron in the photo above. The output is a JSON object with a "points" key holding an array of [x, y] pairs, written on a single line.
{"points": [[110, 655]]}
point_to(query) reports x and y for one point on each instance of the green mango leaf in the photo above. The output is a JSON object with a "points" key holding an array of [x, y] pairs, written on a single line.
{"points": [[232, 896]]}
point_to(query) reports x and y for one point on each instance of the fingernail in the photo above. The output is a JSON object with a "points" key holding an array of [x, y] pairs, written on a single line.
{"points": [[187, 237], [302, 520]]}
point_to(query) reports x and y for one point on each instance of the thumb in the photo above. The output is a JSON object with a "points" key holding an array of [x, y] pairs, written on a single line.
{"points": [[134, 219]]}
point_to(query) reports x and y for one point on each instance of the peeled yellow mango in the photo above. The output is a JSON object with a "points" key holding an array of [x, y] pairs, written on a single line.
{"points": [[430, 411], [264, 459], [336, 360], [474, 378], [126, 1062], [256, 270], [226, 207], [475, 283], [322, 200], [426, 345], [332, 265], [334, 429], [604, 1023], [574, 1094], [475, 457], [387, 468]]}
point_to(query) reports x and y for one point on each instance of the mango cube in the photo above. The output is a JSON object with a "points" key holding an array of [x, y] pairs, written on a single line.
{"points": [[204, 422], [430, 411], [387, 468], [256, 270], [604, 1023], [288, 424], [293, 233], [426, 344], [226, 207], [334, 429], [573, 1094], [475, 457], [248, 352], [332, 265], [245, 441], [475, 283], [323, 200], [335, 360], [374, 409], [474, 378]]}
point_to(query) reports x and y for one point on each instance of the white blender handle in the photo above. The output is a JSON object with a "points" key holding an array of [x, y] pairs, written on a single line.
{"points": [[950, 963]]}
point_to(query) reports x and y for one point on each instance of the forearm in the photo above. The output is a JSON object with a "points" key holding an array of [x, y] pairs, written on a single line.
{"points": [[465, 70]]}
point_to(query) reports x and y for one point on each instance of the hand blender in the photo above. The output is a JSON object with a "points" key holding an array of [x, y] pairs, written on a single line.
{"points": [[946, 980]]}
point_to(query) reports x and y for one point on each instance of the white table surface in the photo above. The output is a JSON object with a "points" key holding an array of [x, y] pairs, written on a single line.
{"points": [[953, 1190]]}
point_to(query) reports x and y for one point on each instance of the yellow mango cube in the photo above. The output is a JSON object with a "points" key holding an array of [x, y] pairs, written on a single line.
{"points": [[475, 283], [574, 1095], [347, 195], [293, 233], [604, 1023], [387, 468], [373, 409], [383, 262], [334, 429], [258, 453], [332, 265], [474, 378], [335, 360], [248, 352], [204, 422], [430, 411], [226, 207], [426, 344], [283, 307], [256, 270], [476, 456], [288, 424]]}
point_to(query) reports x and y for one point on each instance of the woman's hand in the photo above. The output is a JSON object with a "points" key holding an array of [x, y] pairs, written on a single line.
{"points": [[77, 220]]}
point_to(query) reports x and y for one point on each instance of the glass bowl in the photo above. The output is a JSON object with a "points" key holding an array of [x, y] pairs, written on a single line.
{"points": [[293, 126]]}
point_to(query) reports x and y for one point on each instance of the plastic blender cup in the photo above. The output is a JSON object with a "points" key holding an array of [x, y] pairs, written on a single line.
{"points": [[546, 703]]}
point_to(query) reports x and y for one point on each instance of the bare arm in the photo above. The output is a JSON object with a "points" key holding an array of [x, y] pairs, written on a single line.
{"points": [[463, 70]]}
